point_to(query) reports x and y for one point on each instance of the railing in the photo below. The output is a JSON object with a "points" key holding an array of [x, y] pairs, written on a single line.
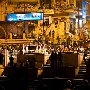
{"points": [[3, 41]]}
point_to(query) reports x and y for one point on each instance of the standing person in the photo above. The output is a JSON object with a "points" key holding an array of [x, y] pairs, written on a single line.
{"points": [[11, 60], [85, 54], [50, 33], [53, 59], [60, 57], [75, 44], [53, 33], [1, 58]]}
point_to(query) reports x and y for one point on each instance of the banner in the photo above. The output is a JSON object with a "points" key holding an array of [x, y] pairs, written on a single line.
{"points": [[22, 0], [24, 17]]}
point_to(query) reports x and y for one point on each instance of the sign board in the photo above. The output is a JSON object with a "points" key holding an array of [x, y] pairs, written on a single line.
{"points": [[24, 17], [22, 0], [47, 11]]}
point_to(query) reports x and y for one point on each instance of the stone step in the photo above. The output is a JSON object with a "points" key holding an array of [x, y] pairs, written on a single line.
{"points": [[82, 65], [82, 72], [82, 69], [80, 76], [83, 62]]}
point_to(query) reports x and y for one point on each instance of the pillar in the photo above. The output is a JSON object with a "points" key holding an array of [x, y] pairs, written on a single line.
{"points": [[24, 36], [10, 35], [50, 19]]}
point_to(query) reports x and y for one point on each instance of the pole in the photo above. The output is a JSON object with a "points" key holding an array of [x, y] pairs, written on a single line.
{"points": [[43, 22], [78, 16], [6, 35], [24, 21]]}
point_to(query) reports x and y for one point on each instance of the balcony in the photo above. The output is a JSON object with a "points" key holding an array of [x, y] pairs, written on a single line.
{"points": [[14, 41]]}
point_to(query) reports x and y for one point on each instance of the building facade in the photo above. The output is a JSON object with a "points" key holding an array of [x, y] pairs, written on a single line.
{"points": [[61, 18]]}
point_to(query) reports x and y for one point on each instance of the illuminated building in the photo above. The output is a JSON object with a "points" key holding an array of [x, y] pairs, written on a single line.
{"points": [[59, 15]]}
